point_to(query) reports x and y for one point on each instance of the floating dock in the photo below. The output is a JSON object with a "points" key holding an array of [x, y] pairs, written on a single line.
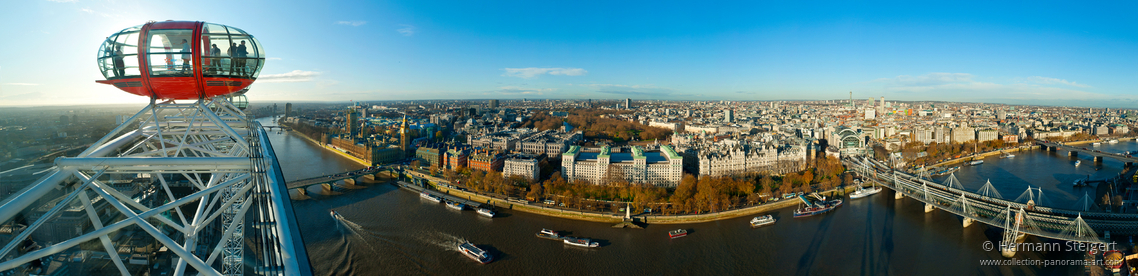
{"points": [[447, 197]]}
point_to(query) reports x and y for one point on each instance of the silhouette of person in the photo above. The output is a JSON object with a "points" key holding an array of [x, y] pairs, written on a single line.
{"points": [[242, 53], [186, 56], [215, 63], [232, 57], [120, 66]]}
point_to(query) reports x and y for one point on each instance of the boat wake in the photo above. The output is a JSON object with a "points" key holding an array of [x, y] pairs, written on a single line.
{"points": [[444, 240]]}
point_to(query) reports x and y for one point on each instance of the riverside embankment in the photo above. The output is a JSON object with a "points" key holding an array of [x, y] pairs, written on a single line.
{"points": [[610, 217]]}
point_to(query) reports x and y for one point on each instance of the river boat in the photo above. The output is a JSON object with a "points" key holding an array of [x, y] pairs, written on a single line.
{"points": [[1113, 141], [860, 192], [549, 234], [335, 215], [1095, 144], [582, 242], [430, 197], [817, 208], [678, 233], [946, 171], [1080, 182], [762, 221], [486, 212], [455, 205], [976, 162], [475, 253], [1077, 162]]}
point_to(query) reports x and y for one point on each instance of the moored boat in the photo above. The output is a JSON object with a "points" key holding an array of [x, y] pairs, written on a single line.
{"points": [[817, 208], [678, 233], [548, 234], [946, 171], [455, 205], [430, 197], [976, 162], [475, 253], [762, 220], [486, 212], [582, 242], [860, 192]]}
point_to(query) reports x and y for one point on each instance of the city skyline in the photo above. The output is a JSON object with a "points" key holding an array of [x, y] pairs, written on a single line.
{"points": [[342, 51]]}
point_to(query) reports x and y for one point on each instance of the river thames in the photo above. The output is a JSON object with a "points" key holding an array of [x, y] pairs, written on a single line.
{"points": [[387, 230]]}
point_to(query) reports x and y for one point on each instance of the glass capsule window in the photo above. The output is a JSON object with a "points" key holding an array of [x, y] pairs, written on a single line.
{"points": [[232, 52], [170, 54], [118, 55]]}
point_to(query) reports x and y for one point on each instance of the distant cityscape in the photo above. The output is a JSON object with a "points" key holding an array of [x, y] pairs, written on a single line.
{"points": [[658, 142]]}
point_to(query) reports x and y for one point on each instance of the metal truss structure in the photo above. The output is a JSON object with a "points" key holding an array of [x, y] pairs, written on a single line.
{"points": [[197, 179]]}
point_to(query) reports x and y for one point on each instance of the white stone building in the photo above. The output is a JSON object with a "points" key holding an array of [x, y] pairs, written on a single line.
{"points": [[662, 168], [525, 165]]}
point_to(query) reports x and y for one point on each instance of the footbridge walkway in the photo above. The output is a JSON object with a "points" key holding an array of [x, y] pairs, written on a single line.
{"points": [[1129, 159], [1018, 217]]}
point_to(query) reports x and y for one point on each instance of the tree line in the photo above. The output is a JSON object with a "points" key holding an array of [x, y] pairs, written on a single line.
{"points": [[692, 196], [594, 126]]}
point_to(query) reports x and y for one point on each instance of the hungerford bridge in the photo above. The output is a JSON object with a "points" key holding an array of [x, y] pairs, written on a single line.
{"points": [[197, 178], [987, 206]]}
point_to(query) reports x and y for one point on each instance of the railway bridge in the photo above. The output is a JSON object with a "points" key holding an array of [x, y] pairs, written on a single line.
{"points": [[1129, 159], [1017, 217]]}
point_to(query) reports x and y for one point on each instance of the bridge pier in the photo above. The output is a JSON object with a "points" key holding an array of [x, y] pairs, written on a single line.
{"points": [[1073, 153], [968, 222], [350, 181], [929, 207], [302, 191], [327, 187], [898, 195], [1051, 149], [1098, 159]]}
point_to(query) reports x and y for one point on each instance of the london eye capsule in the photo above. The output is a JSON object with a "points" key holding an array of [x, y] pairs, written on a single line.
{"points": [[181, 60]]}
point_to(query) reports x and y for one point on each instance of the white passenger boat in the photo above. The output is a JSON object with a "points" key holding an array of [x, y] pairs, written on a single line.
{"points": [[861, 192], [582, 242], [486, 212], [762, 220], [475, 253], [456, 205], [430, 197]]}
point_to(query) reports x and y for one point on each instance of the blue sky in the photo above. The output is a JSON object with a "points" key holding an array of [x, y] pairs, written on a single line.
{"points": [[1015, 52]]}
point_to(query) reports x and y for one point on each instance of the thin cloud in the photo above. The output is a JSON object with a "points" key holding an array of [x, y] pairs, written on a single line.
{"points": [[21, 83], [638, 90], [929, 79], [1046, 80], [90, 11], [273, 58], [62, 1], [531, 72], [351, 23], [294, 76], [600, 85], [407, 30], [962, 86], [514, 90]]}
